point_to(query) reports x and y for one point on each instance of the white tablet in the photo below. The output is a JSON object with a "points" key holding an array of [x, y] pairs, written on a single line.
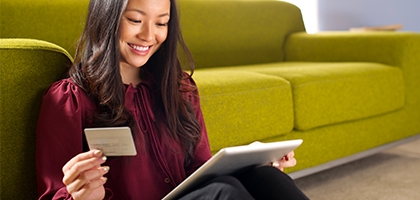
{"points": [[233, 159], [112, 141]]}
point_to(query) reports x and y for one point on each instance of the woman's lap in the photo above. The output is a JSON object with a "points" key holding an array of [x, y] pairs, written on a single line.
{"points": [[221, 188], [260, 183], [270, 183]]}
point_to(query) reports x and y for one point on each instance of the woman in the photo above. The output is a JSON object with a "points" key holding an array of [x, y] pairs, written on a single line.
{"points": [[126, 73]]}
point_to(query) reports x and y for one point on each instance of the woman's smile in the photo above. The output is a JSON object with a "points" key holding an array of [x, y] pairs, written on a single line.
{"points": [[141, 50]]}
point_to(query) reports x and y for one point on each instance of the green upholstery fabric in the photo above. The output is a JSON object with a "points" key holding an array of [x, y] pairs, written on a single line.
{"points": [[398, 49], [27, 68], [329, 93], [328, 143], [230, 27], [57, 21], [235, 32], [391, 48], [258, 105]]}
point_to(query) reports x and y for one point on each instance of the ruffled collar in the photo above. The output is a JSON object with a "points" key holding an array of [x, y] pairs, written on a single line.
{"points": [[139, 99]]}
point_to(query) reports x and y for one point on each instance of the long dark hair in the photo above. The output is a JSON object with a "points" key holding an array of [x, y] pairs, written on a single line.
{"points": [[96, 70]]}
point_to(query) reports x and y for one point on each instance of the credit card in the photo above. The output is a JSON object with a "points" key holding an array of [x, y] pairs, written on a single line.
{"points": [[113, 141]]}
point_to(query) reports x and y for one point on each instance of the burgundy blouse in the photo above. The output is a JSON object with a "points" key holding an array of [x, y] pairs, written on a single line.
{"points": [[151, 174]]}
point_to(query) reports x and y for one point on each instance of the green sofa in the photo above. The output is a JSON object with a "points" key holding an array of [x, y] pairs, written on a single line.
{"points": [[260, 77]]}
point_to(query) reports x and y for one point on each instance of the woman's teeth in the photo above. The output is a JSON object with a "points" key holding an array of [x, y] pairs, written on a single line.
{"points": [[139, 48]]}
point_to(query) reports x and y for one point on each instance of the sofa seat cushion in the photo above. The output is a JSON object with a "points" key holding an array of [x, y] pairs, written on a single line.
{"points": [[257, 104], [328, 93]]}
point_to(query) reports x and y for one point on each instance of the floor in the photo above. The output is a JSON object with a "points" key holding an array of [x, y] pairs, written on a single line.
{"points": [[390, 174]]}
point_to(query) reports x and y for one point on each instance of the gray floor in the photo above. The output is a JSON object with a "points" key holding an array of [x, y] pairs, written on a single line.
{"points": [[391, 174]]}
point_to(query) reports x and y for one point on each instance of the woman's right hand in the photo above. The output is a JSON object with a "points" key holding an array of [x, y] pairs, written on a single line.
{"points": [[83, 175]]}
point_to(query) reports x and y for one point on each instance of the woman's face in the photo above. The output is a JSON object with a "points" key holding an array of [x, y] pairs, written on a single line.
{"points": [[144, 27]]}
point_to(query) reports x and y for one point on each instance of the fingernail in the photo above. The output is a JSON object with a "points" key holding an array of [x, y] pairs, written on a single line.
{"points": [[103, 158], [97, 152], [104, 179], [106, 168]]}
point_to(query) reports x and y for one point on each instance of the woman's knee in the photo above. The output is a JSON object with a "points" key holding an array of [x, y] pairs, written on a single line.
{"points": [[230, 180]]}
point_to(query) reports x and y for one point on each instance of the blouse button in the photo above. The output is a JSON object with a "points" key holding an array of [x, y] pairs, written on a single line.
{"points": [[167, 180]]}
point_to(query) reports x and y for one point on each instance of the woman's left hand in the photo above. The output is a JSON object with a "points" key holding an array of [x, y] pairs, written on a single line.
{"points": [[285, 162]]}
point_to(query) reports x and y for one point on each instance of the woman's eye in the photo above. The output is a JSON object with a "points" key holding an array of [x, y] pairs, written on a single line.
{"points": [[134, 20], [162, 24]]}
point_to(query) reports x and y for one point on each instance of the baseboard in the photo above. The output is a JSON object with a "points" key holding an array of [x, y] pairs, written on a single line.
{"points": [[341, 161]]}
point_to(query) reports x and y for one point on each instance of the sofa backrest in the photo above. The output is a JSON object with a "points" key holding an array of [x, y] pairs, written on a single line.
{"points": [[238, 32], [27, 68], [57, 21], [218, 32]]}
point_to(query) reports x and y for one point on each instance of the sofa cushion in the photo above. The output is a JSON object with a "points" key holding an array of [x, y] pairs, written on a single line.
{"points": [[328, 93], [259, 105]]}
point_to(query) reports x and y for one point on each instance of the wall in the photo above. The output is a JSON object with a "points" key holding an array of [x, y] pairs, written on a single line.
{"points": [[344, 14], [309, 9]]}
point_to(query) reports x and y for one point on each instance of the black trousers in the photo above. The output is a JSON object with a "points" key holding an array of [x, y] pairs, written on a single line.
{"points": [[262, 183]]}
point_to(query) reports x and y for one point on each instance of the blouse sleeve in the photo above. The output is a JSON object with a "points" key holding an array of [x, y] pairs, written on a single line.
{"points": [[59, 136], [202, 151]]}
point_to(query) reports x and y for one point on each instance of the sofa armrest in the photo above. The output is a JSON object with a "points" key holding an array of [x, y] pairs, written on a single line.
{"points": [[27, 68], [391, 48]]}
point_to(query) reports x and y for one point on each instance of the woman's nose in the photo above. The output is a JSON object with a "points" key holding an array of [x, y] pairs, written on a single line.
{"points": [[146, 32]]}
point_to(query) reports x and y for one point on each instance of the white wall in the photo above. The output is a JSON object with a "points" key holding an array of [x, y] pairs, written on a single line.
{"points": [[344, 14], [309, 10]]}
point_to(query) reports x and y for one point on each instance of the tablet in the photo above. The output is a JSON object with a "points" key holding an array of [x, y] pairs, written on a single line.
{"points": [[112, 141], [235, 159]]}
